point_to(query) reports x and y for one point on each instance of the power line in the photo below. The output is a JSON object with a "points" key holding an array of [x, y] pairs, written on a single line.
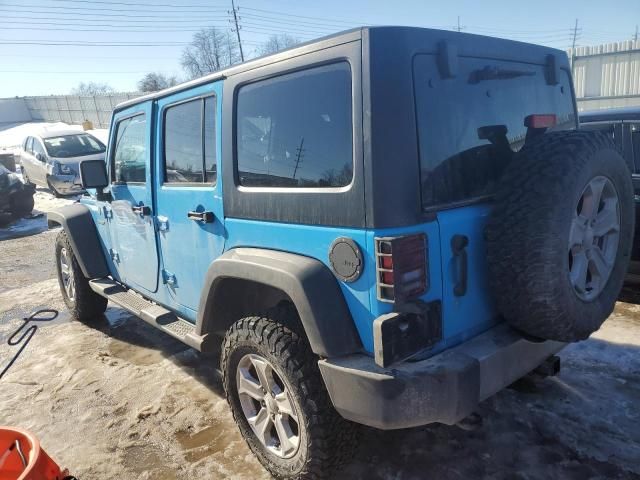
{"points": [[78, 72], [100, 10], [279, 20], [273, 12], [83, 22], [98, 15], [92, 44], [154, 4]]}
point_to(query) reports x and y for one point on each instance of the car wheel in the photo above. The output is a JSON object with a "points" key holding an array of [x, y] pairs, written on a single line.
{"points": [[560, 236], [83, 303], [278, 398]]}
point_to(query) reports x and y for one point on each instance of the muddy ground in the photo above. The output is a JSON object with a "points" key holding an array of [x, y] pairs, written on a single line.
{"points": [[119, 399]]}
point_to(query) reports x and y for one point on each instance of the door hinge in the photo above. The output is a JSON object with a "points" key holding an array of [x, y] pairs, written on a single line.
{"points": [[168, 278], [162, 223], [114, 255]]}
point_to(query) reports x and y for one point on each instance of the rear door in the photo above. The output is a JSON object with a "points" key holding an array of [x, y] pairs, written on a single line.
{"points": [[189, 194], [469, 125], [134, 252]]}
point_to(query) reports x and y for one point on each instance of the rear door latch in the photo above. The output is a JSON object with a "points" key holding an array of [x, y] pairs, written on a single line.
{"points": [[460, 259]]}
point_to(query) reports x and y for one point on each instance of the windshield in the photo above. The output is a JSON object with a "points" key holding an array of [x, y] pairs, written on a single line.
{"points": [[470, 125], [76, 145]]}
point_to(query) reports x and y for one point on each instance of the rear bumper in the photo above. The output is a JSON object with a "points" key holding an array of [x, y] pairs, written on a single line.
{"points": [[66, 184], [444, 388]]}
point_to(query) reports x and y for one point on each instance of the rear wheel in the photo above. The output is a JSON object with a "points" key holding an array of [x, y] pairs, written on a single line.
{"points": [[83, 303], [278, 399]]}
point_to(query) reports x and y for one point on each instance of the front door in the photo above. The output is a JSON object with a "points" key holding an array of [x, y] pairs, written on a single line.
{"points": [[35, 168], [189, 192], [134, 250]]}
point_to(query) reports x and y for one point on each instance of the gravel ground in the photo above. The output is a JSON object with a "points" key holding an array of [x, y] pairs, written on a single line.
{"points": [[119, 399]]}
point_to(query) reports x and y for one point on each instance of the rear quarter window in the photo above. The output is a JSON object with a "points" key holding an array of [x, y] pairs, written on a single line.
{"points": [[456, 164], [295, 130]]}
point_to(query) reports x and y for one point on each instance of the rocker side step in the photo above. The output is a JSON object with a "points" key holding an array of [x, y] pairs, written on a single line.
{"points": [[150, 312]]}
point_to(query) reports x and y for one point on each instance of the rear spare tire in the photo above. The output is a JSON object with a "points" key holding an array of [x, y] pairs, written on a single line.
{"points": [[559, 238]]}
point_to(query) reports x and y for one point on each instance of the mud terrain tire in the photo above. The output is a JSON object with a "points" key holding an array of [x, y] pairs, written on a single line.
{"points": [[84, 304], [542, 194], [326, 440]]}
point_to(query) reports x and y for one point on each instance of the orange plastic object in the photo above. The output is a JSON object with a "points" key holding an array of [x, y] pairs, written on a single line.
{"points": [[22, 458]]}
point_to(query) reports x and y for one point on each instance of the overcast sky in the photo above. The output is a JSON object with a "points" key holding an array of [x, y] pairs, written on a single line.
{"points": [[118, 41]]}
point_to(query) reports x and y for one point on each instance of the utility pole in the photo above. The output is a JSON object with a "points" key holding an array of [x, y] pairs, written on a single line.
{"points": [[575, 35], [299, 155], [235, 20], [459, 23], [635, 37], [573, 46]]}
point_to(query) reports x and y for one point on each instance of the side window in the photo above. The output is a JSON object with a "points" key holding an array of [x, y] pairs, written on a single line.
{"points": [[210, 139], [30, 144], [38, 148], [635, 140], [295, 130], [189, 142], [130, 152]]}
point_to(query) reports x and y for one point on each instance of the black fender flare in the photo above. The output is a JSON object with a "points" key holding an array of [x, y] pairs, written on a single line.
{"points": [[309, 284], [77, 222]]}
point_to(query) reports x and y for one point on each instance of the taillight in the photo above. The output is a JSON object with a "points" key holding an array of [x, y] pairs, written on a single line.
{"points": [[401, 267], [538, 120]]}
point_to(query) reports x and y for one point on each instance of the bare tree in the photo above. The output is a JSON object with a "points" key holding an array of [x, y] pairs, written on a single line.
{"points": [[154, 81], [277, 43], [210, 50], [92, 88]]}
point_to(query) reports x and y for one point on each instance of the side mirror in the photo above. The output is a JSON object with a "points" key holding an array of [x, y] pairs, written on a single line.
{"points": [[93, 174], [40, 157]]}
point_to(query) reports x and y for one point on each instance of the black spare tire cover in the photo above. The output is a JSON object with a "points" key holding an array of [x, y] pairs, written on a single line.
{"points": [[564, 201]]}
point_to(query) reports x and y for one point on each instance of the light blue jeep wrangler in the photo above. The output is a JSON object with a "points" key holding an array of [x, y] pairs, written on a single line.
{"points": [[385, 227]]}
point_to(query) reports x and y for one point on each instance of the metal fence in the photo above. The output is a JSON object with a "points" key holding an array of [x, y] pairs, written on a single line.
{"points": [[607, 75], [75, 109]]}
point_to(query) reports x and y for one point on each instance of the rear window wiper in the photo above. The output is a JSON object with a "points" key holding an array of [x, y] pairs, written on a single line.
{"points": [[497, 73]]}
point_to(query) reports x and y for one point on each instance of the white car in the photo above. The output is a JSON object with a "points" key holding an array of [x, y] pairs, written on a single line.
{"points": [[51, 159]]}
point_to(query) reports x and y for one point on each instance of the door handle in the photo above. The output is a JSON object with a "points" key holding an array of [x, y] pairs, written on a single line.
{"points": [[141, 209], [204, 217], [459, 250]]}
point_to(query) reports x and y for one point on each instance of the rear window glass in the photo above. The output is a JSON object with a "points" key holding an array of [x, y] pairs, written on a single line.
{"points": [[460, 160], [183, 143], [295, 130]]}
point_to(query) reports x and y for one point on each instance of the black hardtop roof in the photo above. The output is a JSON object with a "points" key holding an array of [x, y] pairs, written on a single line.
{"points": [[423, 39], [611, 114]]}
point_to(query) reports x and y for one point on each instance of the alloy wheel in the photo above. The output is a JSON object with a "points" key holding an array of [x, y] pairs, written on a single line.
{"points": [[267, 405], [68, 280], [593, 239]]}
